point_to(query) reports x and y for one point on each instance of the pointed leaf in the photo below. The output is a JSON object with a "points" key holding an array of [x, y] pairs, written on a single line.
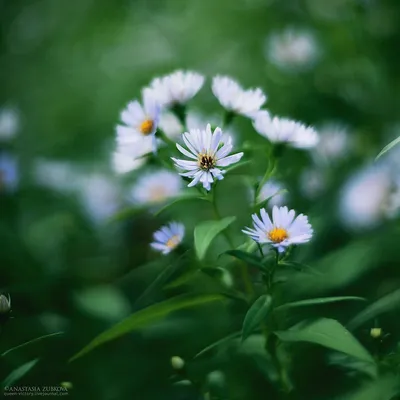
{"points": [[384, 304], [218, 343], [174, 201], [388, 147], [19, 373], [256, 315], [206, 232], [146, 317], [248, 258], [321, 300], [328, 333]]}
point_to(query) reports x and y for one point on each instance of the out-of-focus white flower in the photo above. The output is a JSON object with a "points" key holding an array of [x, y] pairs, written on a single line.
{"points": [[392, 208], [272, 190], [334, 143], [171, 125], [176, 88], [312, 183], [292, 49], [234, 98], [283, 130], [9, 176], [284, 229], [100, 196], [156, 187], [130, 157], [141, 122], [9, 122], [364, 198], [206, 156], [168, 237]]}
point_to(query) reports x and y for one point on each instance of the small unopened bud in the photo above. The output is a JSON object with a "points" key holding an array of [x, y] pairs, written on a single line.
{"points": [[67, 385], [177, 363], [5, 304], [376, 333]]}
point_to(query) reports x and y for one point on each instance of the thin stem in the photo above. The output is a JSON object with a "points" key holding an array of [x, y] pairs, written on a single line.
{"points": [[261, 250]]}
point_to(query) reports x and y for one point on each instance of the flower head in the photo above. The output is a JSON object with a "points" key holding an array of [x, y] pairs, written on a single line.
{"points": [[283, 130], [156, 187], [168, 237], [292, 49], [141, 121], [234, 98], [9, 122], [207, 156], [284, 229], [176, 88]]}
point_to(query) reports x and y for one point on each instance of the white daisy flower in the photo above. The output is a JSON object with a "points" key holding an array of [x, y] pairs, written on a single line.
{"points": [[168, 237], [122, 163], [156, 187], [234, 98], [207, 155], [9, 176], [9, 122], [365, 197], [176, 88], [334, 143], [141, 122], [292, 49], [284, 229], [284, 130], [272, 190]]}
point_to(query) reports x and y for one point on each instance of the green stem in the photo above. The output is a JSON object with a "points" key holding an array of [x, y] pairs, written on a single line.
{"points": [[162, 135], [268, 173]]}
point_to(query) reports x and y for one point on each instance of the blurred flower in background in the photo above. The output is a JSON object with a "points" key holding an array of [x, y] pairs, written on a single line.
{"points": [[312, 182], [9, 122], [292, 49], [9, 175], [168, 237], [274, 191], [156, 187]]}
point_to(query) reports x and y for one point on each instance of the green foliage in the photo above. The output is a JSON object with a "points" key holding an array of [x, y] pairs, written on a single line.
{"points": [[388, 147], [256, 315], [19, 373]]}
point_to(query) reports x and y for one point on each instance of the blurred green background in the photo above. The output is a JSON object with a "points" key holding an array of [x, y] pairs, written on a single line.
{"points": [[69, 68]]}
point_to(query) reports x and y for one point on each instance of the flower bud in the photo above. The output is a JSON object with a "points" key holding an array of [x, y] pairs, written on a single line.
{"points": [[67, 385], [376, 333], [177, 363], [5, 304]]}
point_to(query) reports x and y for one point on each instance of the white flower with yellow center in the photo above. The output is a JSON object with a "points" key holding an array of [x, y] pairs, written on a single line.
{"points": [[284, 130], [176, 88], [141, 122], [292, 49], [207, 153], [282, 231], [234, 98], [156, 187], [168, 237]]}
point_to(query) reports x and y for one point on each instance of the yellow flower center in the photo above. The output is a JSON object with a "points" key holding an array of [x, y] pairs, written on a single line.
{"points": [[146, 126], [173, 242], [277, 235], [206, 162]]}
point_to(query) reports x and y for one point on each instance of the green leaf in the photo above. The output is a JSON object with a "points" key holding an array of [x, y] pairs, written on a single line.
{"points": [[248, 258], [19, 373], [384, 304], [328, 333], [218, 343], [206, 232], [38, 339], [146, 317], [237, 165], [256, 314], [181, 199], [126, 213], [388, 147], [321, 300]]}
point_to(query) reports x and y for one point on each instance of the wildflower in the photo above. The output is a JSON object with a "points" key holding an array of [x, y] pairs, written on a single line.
{"points": [[122, 163], [156, 187], [170, 125], [176, 88], [141, 122], [292, 49], [168, 237], [364, 198], [283, 130], [9, 122], [272, 190], [207, 155], [234, 98], [8, 172], [284, 229]]}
